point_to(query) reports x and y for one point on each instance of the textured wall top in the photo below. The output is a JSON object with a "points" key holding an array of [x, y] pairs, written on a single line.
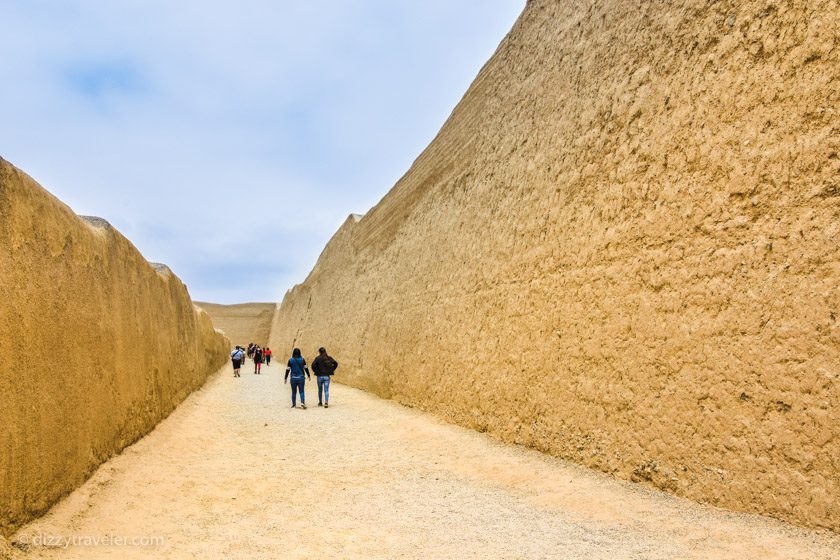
{"points": [[621, 249]]}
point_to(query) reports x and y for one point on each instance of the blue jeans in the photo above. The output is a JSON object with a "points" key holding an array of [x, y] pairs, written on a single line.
{"points": [[324, 386], [297, 384]]}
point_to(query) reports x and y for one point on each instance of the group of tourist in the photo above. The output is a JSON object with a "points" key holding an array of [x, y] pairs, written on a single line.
{"points": [[254, 352], [297, 370]]}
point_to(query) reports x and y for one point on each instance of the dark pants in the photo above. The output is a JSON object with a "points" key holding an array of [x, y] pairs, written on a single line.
{"points": [[297, 384]]}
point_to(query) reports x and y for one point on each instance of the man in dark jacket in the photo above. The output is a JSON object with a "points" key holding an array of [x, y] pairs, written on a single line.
{"points": [[323, 367]]}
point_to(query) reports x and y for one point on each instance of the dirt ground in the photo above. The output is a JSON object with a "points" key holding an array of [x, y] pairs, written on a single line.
{"points": [[235, 473]]}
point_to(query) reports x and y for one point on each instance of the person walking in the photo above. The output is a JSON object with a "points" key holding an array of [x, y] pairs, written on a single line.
{"points": [[258, 359], [267, 356], [296, 367], [324, 367], [236, 357]]}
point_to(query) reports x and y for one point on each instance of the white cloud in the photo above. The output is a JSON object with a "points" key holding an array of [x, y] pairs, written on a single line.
{"points": [[214, 131]]}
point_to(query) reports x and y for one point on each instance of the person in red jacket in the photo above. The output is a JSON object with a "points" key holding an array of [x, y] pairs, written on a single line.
{"points": [[267, 356]]}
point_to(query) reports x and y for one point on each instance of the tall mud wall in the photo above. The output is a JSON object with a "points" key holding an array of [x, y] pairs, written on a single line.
{"points": [[243, 323], [96, 346], [622, 248]]}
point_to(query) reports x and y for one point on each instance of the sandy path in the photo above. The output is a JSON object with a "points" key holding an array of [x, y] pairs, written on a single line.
{"points": [[235, 473]]}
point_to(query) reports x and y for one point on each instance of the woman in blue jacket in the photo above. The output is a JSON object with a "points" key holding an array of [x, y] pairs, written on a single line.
{"points": [[297, 368]]}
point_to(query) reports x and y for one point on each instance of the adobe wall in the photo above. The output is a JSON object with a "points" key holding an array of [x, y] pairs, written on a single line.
{"points": [[96, 346], [621, 249], [243, 323]]}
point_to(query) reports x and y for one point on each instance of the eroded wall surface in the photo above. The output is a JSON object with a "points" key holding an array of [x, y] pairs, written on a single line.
{"points": [[243, 323], [621, 249], [96, 346]]}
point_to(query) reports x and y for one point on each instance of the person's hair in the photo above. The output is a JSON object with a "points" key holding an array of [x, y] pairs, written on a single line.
{"points": [[322, 350], [296, 353]]}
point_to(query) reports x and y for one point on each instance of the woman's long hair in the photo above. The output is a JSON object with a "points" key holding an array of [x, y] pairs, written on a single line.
{"points": [[296, 353]]}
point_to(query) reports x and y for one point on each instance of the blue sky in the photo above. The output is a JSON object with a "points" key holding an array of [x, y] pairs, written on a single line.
{"points": [[229, 140]]}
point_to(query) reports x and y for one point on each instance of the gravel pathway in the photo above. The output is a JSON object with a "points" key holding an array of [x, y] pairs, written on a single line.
{"points": [[235, 473]]}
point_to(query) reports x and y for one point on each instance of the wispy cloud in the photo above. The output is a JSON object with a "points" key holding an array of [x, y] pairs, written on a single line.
{"points": [[206, 129]]}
